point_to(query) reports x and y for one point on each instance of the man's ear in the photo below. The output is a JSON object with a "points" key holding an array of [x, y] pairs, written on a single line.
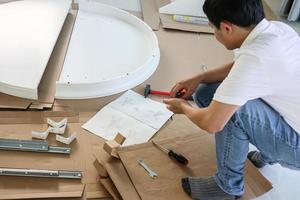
{"points": [[226, 27]]}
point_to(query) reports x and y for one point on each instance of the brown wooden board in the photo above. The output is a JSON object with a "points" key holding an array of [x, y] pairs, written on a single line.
{"points": [[111, 188], [121, 180], [199, 150], [57, 113]]}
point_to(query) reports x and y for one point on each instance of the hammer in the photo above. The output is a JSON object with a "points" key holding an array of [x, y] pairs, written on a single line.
{"points": [[148, 91]]}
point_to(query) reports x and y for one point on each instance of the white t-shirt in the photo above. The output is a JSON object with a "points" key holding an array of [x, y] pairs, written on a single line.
{"points": [[267, 66]]}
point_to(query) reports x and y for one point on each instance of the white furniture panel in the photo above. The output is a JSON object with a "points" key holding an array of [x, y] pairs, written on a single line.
{"points": [[184, 7], [110, 51], [29, 30], [131, 5]]}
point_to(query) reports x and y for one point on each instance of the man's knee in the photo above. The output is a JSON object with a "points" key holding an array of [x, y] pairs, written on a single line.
{"points": [[205, 93], [256, 112]]}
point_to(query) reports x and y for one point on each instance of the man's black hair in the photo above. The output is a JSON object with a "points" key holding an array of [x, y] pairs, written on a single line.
{"points": [[244, 13]]}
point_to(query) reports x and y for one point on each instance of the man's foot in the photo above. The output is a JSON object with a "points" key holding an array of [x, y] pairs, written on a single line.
{"points": [[255, 158], [204, 188]]}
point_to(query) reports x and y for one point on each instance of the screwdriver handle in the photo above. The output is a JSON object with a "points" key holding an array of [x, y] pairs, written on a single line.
{"points": [[178, 157]]}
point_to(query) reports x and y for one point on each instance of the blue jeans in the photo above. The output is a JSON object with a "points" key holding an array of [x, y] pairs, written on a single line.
{"points": [[256, 123]]}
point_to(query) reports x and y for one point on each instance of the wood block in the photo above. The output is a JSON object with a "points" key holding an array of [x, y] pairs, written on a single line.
{"points": [[110, 146], [120, 138]]}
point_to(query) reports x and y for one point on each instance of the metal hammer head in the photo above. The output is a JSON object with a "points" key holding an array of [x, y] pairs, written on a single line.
{"points": [[147, 90]]}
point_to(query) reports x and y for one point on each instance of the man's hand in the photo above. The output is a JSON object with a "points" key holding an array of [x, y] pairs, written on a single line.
{"points": [[176, 105], [189, 85]]}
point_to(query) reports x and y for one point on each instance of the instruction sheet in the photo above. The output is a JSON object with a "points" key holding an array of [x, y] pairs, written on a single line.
{"points": [[134, 116]]}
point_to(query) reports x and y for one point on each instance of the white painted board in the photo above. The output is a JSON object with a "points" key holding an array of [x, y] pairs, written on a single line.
{"points": [[130, 5], [29, 31], [184, 7], [110, 51], [132, 115]]}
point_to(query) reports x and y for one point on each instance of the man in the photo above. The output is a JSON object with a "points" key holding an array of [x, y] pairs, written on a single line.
{"points": [[255, 99]]}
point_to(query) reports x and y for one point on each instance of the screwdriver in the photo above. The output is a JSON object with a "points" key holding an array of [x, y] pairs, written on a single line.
{"points": [[173, 154]]}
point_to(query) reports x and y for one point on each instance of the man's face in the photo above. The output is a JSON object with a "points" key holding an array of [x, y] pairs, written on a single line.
{"points": [[225, 35]]}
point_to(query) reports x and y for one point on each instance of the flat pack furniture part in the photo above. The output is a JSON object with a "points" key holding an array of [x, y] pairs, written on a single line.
{"points": [[91, 69], [60, 130], [105, 180], [29, 31], [111, 145], [184, 7], [128, 5], [40, 173], [44, 135], [111, 188], [40, 135], [66, 140], [57, 127], [31, 145], [46, 90], [54, 127], [121, 180], [200, 150], [55, 124]]}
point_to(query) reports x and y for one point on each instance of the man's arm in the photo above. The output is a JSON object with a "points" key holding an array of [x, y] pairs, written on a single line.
{"points": [[210, 76], [211, 119], [216, 75]]}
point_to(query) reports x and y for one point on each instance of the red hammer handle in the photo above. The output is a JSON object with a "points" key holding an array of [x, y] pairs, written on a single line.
{"points": [[160, 93]]}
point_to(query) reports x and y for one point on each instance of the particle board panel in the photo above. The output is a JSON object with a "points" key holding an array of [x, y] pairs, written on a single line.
{"points": [[50, 76], [29, 31]]}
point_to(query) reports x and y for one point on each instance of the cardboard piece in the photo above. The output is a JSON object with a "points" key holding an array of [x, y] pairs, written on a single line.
{"points": [[96, 191], [121, 180], [46, 90], [199, 150], [150, 14], [100, 169], [110, 187], [31, 188], [36, 117]]}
